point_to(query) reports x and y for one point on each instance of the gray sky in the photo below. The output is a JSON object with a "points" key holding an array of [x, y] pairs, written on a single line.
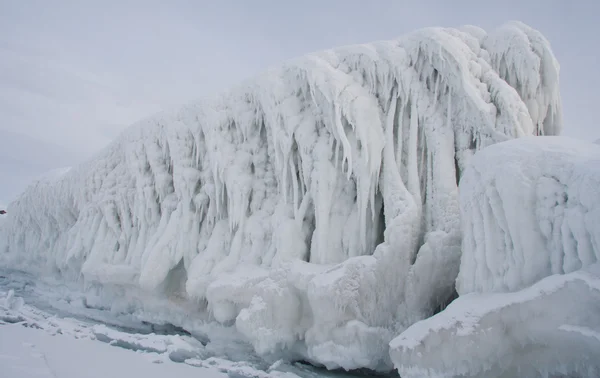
{"points": [[73, 74]]}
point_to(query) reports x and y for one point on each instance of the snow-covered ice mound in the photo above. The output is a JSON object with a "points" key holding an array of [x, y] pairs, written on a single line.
{"points": [[315, 207], [531, 216], [550, 329], [530, 208]]}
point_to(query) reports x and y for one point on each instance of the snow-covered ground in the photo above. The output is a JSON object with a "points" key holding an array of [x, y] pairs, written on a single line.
{"points": [[49, 331], [27, 352]]}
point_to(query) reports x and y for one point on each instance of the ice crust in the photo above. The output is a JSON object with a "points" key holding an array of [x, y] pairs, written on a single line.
{"points": [[550, 329], [314, 207]]}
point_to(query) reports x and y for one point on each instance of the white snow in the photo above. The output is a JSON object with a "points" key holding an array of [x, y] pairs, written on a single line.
{"points": [[530, 208], [36, 343], [549, 329], [29, 353], [315, 207]]}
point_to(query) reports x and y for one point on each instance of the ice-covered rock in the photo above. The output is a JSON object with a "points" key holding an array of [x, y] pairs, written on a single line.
{"points": [[317, 203], [550, 329], [530, 208]]}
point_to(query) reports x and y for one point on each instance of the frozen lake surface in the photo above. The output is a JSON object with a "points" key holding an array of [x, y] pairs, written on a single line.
{"points": [[48, 330]]}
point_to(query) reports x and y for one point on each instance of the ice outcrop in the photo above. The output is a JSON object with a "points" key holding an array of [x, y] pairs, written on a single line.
{"points": [[315, 207], [531, 216], [550, 329], [530, 208]]}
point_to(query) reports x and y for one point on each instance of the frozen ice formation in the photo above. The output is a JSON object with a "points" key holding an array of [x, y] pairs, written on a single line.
{"points": [[529, 279], [314, 208], [530, 208], [550, 329]]}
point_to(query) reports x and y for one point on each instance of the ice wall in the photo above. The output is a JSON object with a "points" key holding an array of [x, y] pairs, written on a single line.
{"points": [[315, 207]]}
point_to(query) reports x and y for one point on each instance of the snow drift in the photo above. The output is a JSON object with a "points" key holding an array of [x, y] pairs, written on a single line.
{"points": [[315, 207]]}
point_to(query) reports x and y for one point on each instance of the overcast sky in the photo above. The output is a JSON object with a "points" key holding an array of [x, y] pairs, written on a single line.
{"points": [[73, 74]]}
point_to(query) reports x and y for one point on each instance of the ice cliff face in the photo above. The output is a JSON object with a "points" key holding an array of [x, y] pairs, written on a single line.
{"points": [[315, 207]]}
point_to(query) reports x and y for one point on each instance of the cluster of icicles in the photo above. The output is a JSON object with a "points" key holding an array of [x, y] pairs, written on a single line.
{"points": [[314, 207]]}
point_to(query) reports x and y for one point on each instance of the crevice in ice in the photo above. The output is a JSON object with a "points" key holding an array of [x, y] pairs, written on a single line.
{"points": [[457, 172], [174, 283], [445, 302]]}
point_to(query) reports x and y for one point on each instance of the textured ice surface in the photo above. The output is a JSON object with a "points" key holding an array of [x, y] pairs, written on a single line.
{"points": [[48, 310], [530, 208], [529, 275], [549, 329], [315, 207]]}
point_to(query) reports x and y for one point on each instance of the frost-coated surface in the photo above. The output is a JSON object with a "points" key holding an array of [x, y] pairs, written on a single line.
{"points": [[550, 329], [530, 208], [315, 207]]}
